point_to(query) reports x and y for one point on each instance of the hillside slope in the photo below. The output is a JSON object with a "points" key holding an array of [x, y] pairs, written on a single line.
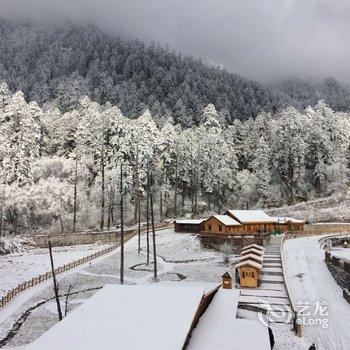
{"points": [[61, 63], [335, 208]]}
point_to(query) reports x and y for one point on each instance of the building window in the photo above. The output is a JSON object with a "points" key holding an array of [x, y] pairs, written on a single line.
{"points": [[220, 228], [209, 227]]}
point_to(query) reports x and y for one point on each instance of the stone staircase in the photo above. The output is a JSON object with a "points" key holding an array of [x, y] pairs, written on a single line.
{"points": [[272, 295]]}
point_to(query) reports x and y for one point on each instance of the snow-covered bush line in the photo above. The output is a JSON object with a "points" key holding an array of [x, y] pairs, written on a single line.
{"points": [[52, 162], [10, 245]]}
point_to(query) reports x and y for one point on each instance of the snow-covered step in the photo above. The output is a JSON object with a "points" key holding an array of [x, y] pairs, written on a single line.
{"points": [[273, 278], [272, 261], [265, 280], [272, 256], [272, 268], [264, 300], [263, 293], [278, 307], [272, 265], [271, 273], [268, 286]]}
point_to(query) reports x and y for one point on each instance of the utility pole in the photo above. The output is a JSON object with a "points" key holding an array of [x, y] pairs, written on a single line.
{"points": [[121, 227], [55, 286]]}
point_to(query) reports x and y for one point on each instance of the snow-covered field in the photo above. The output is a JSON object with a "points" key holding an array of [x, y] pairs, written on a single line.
{"points": [[19, 267], [341, 252], [314, 291], [180, 258]]}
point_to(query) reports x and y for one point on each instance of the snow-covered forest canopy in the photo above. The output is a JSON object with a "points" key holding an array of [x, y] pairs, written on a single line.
{"points": [[47, 155], [62, 63]]}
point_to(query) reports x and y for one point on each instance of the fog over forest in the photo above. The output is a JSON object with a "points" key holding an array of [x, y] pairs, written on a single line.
{"points": [[263, 40]]}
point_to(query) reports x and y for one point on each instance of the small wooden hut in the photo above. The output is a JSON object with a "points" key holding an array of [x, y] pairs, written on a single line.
{"points": [[188, 225], [249, 273], [226, 281]]}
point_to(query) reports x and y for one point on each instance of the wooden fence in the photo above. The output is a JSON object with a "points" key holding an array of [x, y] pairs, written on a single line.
{"points": [[47, 275]]}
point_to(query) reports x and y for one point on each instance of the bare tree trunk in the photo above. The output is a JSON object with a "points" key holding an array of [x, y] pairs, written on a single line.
{"points": [[61, 222], [109, 210], [137, 185], [147, 230], [289, 182], [75, 196], [196, 196], [161, 205], [139, 226], [121, 227], [1, 220], [183, 194], [176, 185], [66, 300], [102, 222], [153, 230], [55, 286]]}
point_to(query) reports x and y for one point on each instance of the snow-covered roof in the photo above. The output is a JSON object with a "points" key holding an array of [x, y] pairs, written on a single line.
{"points": [[259, 247], [251, 256], [284, 220], [249, 263], [251, 216], [189, 221], [208, 287], [252, 251], [227, 220], [218, 328], [127, 317]]}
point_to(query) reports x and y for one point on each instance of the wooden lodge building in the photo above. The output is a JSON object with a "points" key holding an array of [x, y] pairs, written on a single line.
{"points": [[249, 222], [238, 227]]}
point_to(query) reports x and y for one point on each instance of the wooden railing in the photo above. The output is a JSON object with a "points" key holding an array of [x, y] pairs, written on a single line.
{"points": [[284, 275], [47, 275]]}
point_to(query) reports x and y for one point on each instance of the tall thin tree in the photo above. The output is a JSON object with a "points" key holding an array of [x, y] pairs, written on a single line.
{"points": [[150, 189], [147, 224], [55, 285], [121, 226], [75, 194], [137, 184], [102, 222], [176, 183], [139, 226]]}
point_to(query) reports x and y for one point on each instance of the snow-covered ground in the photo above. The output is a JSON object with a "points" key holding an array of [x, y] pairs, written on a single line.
{"points": [[16, 268], [313, 290], [180, 259], [341, 253]]}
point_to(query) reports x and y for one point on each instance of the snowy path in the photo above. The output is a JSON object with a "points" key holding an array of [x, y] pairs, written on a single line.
{"points": [[310, 281]]}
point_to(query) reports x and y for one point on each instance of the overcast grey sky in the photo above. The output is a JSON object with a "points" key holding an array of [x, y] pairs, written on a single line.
{"points": [[261, 39]]}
